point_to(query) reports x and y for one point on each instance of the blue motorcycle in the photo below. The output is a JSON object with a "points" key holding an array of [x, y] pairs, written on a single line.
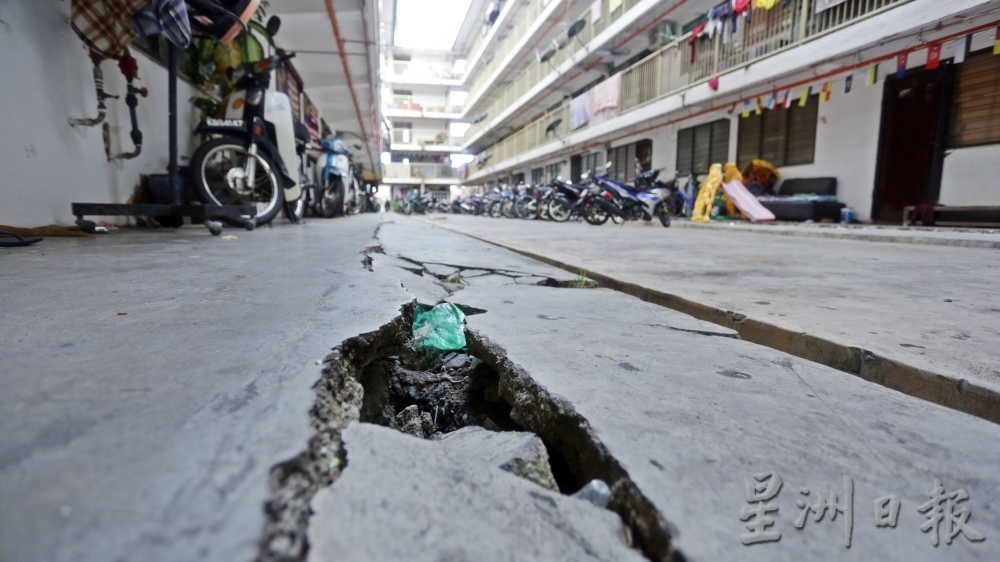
{"points": [[338, 184], [647, 198]]}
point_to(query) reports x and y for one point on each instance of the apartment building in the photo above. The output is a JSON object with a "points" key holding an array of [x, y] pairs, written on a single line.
{"points": [[422, 101], [898, 100]]}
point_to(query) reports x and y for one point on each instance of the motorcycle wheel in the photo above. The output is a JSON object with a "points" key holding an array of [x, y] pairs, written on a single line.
{"points": [[330, 199], [508, 209], [559, 210], [496, 209], [662, 213], [674, 205], [212, 161], [523, 207], [594, 215]]}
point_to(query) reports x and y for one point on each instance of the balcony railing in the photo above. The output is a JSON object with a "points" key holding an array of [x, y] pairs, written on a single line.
{"points": [[673, 68], [423, 137], [531, 136], [420, 171], [420, 70], [536, 71]]}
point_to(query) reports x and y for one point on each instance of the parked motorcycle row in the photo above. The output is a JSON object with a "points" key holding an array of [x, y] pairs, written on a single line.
{"points": [[260, 155], [596, 199]]}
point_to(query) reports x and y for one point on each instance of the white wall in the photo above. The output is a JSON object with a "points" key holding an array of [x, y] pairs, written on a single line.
{"points": [[971, 176], [47, 79], [847, 143]]}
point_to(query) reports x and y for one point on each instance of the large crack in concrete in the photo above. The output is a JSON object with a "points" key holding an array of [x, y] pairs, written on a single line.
{"points": [[378, 378]]}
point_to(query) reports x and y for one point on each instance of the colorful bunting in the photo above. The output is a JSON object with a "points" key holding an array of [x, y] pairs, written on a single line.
{"points": [[760, 105], [933, 56], [772, 101], [731, 110], [963, 48], [901, 65], [826, 91], [996, 41], [746, 108], [873, 75], [805, 96], [788, 99]]}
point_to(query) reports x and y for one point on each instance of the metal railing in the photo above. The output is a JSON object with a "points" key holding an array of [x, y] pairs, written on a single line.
{"points": [[685, 62], [423, 137], [529, 137], [423, 70], [419, 170], [681, 63], [537, 70]]}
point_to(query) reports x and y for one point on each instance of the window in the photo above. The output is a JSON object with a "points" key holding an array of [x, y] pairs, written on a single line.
{"points": [[592, 163], [553, 171], [975, 117], [783, 137], [623, 160], [700, 147], [537, 176]]}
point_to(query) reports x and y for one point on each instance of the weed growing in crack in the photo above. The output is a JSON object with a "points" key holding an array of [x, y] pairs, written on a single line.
{"points": [[581, 280], [456, 278]]}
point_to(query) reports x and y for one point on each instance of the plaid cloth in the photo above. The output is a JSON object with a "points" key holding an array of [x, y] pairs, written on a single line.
{"points": [[169, 17], [104, 24]]}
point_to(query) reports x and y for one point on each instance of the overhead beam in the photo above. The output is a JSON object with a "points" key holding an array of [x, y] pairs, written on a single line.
{"points": [[347, 73]]}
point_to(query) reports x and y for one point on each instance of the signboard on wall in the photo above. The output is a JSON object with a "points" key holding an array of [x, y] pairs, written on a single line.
{"points": [[310, 117], [827, 4], [290, 86]]}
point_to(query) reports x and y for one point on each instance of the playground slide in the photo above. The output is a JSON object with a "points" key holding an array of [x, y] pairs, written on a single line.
{"points": [[746, 202]]}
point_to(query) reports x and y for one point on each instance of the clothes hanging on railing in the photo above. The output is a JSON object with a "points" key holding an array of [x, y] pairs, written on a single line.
{"points": [[169, 17], [579, 111], [604, 100], [693, 40], [104, 24]]}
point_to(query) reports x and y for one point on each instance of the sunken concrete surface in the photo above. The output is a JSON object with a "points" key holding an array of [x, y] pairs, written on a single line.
{"points": [[520, 453], [150, 436], [403, 498], [923, 319], [690, 416]]}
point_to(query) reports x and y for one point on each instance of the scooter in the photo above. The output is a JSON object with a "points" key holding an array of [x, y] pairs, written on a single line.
{"points": [[643, 201], [246, 164]]}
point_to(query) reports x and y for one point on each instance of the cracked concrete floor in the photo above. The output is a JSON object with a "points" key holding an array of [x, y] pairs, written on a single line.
{"points": [[150, 436]]}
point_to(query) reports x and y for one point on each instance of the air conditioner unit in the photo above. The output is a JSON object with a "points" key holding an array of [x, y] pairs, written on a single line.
{"points": [[660, 34]]}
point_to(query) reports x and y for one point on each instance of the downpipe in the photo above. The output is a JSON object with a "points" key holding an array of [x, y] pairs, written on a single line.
{"points": [[96, 58]]}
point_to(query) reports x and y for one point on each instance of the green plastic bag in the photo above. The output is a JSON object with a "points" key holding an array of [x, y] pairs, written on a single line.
{"points": [[442, 327]]}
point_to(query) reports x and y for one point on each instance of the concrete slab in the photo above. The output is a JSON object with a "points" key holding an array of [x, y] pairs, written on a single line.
{"points": [[403, 498], [424, 288], [519, 453], [688, 417], [411, 238], [440, 270], [150, 435], [918, 318], [490, 281]]}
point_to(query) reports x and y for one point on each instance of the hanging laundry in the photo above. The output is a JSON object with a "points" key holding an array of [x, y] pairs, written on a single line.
{"points": [[579, 111], [694, 38], [104, 24], [741, 6], [604, 100], [805, 96], [766, 4], [169, 17]]}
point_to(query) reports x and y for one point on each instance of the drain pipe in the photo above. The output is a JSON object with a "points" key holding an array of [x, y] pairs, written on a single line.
{"points": [[347, 72], [102, 108]]}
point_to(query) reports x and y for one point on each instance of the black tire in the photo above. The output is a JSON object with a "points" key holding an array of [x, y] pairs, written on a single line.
{"points": [[661, 213], [330, 202], [496, 209], [268, 196], [523, 207], [594, 215], [559, 209]]}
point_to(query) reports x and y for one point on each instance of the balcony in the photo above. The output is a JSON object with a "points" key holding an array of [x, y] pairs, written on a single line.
{"points": [[397, 173], [403, 106], [422, 72], [538, 71], [673, 69], [424, 140]]}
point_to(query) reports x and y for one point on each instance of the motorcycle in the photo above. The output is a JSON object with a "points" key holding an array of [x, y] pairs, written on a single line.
{"points": [[645, 200], [338, 184], [245, 164]]}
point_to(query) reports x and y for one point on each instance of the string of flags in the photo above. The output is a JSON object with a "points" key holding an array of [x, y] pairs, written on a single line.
{"points": [[776, 99]]}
